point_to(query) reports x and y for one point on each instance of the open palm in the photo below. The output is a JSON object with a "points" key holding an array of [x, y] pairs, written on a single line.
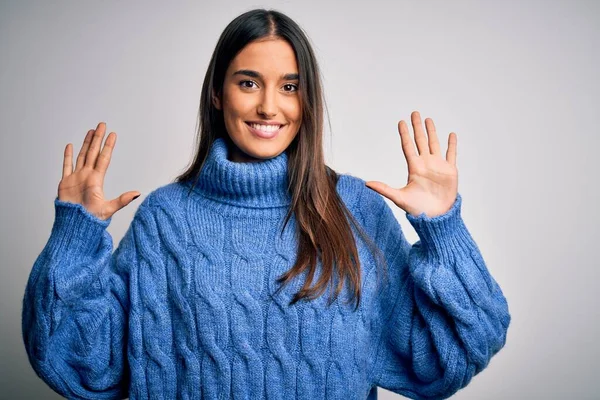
{"points": [[432, 185], [84, 185]]}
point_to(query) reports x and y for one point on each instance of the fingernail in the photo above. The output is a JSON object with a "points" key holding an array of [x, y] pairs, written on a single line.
{"points": [[135, 197]]}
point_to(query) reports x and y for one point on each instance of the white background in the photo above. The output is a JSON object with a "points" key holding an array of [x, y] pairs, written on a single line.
{"points": [[517, 82]]}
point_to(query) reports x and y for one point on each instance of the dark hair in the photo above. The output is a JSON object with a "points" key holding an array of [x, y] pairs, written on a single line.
{"points": [[322, 228]]}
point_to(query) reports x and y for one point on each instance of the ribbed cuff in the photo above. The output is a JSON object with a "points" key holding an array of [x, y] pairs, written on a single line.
{"points": [[75, 229], [444, 235]]}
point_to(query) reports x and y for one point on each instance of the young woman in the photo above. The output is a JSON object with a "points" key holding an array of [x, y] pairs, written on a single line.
{"points": [[256, 274]]}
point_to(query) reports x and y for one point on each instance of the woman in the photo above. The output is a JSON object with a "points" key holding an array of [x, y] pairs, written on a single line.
{"points": [[210, 292]]}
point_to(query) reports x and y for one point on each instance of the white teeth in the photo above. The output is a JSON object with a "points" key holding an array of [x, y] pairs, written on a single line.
{"points": [[266, 128]]}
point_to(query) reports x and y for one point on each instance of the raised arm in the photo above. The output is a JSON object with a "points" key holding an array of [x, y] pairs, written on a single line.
{"points": [[445, 316], [76, 302]]}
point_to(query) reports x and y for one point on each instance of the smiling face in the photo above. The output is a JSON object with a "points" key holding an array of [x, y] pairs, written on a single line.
{"points": [[260, 100]]}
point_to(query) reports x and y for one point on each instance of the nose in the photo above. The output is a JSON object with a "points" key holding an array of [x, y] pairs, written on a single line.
{"points": [[268, 105]]}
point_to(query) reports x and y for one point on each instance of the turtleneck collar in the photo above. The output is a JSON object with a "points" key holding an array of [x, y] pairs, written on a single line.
{"points": [[260, 184]]}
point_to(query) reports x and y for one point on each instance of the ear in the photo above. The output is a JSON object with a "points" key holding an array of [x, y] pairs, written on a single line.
{"points": [[216, 100]]}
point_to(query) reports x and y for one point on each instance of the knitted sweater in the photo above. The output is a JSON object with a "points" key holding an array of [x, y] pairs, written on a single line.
{"points": [[187, 305]]}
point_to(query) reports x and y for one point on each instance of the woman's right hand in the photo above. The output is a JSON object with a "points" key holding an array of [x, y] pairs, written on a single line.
{"points": [[84, 184]]}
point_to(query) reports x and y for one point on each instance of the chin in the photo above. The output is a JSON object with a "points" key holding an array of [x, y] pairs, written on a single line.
{"points": [[251, 146]]}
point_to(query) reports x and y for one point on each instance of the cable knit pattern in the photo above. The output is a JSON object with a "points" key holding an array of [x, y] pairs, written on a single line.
{"points": [[187, 306]]}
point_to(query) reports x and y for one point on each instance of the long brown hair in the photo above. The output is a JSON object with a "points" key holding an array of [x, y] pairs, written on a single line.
{"points": [[324, 232]]}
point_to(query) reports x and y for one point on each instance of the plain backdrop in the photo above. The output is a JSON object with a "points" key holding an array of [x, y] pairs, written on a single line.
{"points": [[517, 82]]}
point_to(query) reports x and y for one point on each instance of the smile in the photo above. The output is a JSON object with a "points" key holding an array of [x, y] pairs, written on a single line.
{"points": [[265, 131]]}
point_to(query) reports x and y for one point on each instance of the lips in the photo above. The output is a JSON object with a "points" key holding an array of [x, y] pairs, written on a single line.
{"points": [[263, 134]]}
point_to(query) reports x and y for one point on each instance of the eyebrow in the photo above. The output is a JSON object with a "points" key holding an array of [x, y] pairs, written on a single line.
{"points": [[254, 74]]}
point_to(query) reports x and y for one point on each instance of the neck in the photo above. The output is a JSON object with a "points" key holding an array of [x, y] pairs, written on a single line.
{"points": [[234, 154]]}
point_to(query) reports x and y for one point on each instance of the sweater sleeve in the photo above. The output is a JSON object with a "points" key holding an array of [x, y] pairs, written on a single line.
{"points": [[443, 315], [76, 304]]}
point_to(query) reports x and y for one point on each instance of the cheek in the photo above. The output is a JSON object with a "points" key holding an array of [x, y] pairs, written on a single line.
{"points": [[235, 104], [293, 111]]}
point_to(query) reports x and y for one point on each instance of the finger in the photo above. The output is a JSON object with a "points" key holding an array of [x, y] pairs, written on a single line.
{"points": [[451, 152], [122, 201], [67, 161], [383, 189], [408, 148], [83, 150], [92, 153], [420, 137], [105, 155], [434, 143]]}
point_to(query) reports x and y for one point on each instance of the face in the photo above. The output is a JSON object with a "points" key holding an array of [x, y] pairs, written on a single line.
{"points": [[260, 100]]}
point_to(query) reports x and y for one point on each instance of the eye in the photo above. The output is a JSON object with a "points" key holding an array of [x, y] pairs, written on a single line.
{"points": [[292, 85], [244, 86]]}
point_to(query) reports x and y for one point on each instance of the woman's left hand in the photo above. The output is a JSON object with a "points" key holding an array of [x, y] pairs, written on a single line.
{"points": [[432, 185]]}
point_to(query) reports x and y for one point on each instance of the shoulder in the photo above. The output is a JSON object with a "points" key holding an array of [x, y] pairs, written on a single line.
{"points": [[358, 197], [169, 195], [166, 199], [354, 191], [163, 211]]}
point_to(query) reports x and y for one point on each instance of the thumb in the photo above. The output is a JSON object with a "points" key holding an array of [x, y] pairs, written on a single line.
{"points": [[386, 191], [123, 200]]}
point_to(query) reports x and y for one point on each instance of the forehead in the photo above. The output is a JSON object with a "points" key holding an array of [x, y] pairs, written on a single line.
{"points": [[276, 56]]}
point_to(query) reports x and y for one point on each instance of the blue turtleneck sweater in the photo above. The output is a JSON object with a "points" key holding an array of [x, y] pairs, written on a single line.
{"points": [[186, 306]]}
